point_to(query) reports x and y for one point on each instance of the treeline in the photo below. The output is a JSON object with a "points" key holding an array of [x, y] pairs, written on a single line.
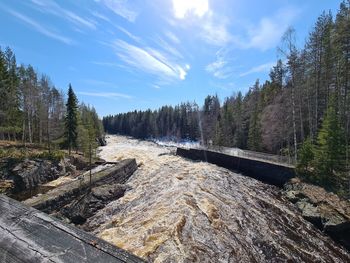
{"points": [[33, 110], [172, 122], [277, 116]]}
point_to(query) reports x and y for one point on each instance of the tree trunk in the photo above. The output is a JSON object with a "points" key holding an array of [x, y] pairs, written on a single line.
{"points": [[294, 125], [30, 128], [48, 134], [40, 132]]}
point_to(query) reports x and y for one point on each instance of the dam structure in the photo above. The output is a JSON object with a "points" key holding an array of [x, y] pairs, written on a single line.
{"points": [[268, 171], [173, 205]]}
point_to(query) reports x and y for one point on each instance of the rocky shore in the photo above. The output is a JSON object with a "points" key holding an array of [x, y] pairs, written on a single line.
{"points": [[22, 178], [325, 210], [88, 204]]}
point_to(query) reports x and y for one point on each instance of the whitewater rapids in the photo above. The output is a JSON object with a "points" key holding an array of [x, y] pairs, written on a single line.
{"points": [[177, 210]]}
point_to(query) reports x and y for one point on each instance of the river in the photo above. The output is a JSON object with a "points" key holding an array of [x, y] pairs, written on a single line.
{"points": [[177, 210]]}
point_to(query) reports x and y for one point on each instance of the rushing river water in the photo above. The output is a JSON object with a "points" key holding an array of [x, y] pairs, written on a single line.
{"points": [[178, 210]]}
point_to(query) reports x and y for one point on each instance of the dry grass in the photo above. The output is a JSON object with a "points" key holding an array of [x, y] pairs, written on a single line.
{"points": [[18, 150]]}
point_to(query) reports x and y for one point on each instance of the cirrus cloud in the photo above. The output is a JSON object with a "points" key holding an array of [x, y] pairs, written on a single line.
{"points": [[105, 94], [122, 8], [149, 60]]}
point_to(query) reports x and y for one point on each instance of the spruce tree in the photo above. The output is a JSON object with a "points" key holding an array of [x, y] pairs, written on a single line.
{"points": [[254, 133], [71, 120], [306, 156], [331, 148], [88, 130]]}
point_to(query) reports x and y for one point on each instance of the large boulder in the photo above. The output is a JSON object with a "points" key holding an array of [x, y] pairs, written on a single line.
{"points": [[86, 206], [28, 174], [102, 141], [20, 178], [79, 161], [325, 210]]}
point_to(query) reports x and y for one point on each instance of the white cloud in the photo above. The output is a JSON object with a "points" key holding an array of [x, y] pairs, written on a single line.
{"points": [[261, 68], [215, 30], [105, 94], [168, 48], [171, 36], [122, 8], [215, 27], [40, 28], [267, 34], [217, 68], [212, 27], [186, 7], [264, 35], [130, 35], [149, 60], [49, 6], [100, 16], [220, 68]]}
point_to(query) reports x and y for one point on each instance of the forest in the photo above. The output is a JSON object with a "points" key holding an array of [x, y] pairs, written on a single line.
{"points": [[34, 111], [302, 111]]}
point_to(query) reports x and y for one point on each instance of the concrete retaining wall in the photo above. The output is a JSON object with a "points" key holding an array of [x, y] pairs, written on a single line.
{"points": [[268, 172], [60, 196]]}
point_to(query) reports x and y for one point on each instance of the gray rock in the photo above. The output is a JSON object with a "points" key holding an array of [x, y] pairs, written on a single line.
{"points": [[79, 162], [30, 173], [325, 210], [87, 205], [102, 141]]}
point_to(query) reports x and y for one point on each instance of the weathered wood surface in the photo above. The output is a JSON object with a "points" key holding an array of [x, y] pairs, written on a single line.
{"points": [[62, 195], [28, 235], [265, 171], [104, 162]]}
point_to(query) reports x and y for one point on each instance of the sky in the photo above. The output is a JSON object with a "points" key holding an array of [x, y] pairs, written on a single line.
{"points": [[122, 55]]}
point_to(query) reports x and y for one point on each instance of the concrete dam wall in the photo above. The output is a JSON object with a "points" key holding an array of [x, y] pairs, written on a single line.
{"points": [[61, 196], [267, 172]]}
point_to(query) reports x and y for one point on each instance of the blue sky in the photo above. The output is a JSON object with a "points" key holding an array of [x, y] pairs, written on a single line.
{"points": [[121, 55]]}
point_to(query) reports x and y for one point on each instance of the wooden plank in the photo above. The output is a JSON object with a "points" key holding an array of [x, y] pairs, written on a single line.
{"points": [[28, 235]]}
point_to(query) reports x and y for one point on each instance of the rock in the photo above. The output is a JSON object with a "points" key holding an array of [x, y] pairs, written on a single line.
{"points": [[86, 206], [325, 210], [6, 186], [30, 173], [310, 213], [62, 167], [102, 141], [79, 162], [70, 169], [66, 193]]}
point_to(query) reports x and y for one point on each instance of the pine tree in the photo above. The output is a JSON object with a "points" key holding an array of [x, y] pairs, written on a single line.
{"points": [[71, 121]]}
